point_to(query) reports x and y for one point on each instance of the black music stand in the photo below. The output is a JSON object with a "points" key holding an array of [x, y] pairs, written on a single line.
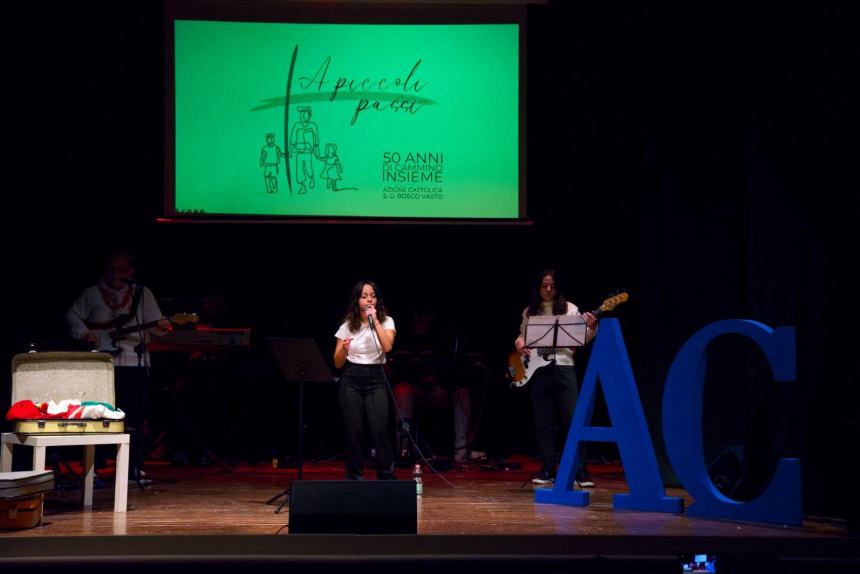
{"points": [[301, 361], [552, 331]]}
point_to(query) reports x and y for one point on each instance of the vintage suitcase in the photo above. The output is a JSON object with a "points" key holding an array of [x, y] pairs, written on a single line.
{"points": [[62, 375], [21, 513], [22, 497], [25, 483]]}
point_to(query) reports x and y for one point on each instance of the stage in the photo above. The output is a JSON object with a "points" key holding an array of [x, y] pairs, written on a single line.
{"points": [[217, 516]]}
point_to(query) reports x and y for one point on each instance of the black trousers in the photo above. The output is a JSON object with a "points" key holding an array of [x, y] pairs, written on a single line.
{"points": [[364, 397], [554, 393], [132, 396]]}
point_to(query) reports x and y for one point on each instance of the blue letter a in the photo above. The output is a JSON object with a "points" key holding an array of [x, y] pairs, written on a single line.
{"points": [[610, 364]]}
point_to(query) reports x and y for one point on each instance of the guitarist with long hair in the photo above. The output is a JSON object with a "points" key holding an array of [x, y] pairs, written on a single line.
{"points": [[554, 387], [118, 303]]}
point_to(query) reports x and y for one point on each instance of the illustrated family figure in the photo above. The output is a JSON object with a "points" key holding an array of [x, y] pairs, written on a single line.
{"points": [[304, 147]]}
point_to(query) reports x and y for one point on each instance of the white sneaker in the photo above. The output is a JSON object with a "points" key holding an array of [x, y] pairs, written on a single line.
{"points": [[543, 478]]}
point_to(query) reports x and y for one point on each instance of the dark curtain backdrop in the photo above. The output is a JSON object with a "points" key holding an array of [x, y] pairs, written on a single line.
{"points": [[701, 156]]}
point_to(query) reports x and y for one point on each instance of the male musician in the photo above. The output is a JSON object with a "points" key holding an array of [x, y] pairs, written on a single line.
{"points": [[554, 387], [118, 301]]}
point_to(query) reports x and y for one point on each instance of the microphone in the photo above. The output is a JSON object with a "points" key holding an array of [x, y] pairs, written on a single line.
{"points": [[367, 310]]}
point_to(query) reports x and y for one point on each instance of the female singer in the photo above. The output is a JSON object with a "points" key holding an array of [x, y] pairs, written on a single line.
{"points": [[367, 333]]}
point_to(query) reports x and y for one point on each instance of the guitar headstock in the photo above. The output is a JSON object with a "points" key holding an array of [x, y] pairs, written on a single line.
{"points": [[184, 318], [611, 303]]}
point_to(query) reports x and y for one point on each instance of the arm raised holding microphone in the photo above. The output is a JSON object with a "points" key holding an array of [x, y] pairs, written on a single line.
{"points": [[362, 340], [385, 336]]}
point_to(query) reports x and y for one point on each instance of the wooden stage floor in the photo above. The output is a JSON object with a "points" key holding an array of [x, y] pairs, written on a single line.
{"points": [[219, 510]]}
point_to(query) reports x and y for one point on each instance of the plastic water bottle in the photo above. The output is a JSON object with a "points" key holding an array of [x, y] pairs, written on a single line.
{"points": [[418, 475]]}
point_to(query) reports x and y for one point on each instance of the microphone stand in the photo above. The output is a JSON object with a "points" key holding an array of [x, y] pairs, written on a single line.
{"points": [[140, 349], [399, 413]]}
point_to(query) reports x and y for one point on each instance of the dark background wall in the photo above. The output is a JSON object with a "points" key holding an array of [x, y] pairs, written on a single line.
{"points": [[698, 155]]}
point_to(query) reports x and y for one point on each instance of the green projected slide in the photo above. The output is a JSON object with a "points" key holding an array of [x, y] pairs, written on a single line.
{"points": [[356, 120]]}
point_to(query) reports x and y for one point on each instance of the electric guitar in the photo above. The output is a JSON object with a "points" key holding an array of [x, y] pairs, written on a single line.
{"points": [[521, 369], [110, 334]]}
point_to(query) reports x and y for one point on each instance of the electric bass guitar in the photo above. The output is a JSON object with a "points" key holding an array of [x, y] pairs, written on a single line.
{"points": [[521, 369], [110, 334]]}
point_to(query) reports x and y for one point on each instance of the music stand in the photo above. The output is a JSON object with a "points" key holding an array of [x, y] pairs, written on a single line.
{"points": [[552, 331], [301, 361]]}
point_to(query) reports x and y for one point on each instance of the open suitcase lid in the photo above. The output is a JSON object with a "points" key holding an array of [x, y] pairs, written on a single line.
{"points": [[61, 375]]}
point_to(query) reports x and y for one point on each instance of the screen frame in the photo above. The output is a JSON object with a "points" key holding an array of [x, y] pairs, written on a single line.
{"points": [[271, 11]]}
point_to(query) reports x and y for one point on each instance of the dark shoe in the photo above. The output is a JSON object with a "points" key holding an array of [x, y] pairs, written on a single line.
{"points": [[545, 476], [583, 480], [141, 482], [386, 473], [468, 455], [138, 478]]}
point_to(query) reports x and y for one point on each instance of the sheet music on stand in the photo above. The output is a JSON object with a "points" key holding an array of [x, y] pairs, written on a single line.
{"points": [[542, 333]]}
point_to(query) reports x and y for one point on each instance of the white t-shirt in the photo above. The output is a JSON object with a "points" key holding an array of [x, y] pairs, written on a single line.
{"points": [[364, 349], [100, 304]]}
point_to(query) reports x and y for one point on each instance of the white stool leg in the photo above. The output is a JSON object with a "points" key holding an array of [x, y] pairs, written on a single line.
{"points": [[6, 457], [39, 457], [89, 473], [120, 499]]}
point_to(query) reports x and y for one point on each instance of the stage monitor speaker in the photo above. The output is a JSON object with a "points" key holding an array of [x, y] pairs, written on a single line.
{"points": [[353, 507]]}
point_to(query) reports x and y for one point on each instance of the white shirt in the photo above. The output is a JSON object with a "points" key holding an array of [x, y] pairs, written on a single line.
{"points": [[364, 349], [92, 306]]}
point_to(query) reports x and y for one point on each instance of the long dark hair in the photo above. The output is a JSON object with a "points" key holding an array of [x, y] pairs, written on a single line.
{"points": [[354, 313], [559, 303]]}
